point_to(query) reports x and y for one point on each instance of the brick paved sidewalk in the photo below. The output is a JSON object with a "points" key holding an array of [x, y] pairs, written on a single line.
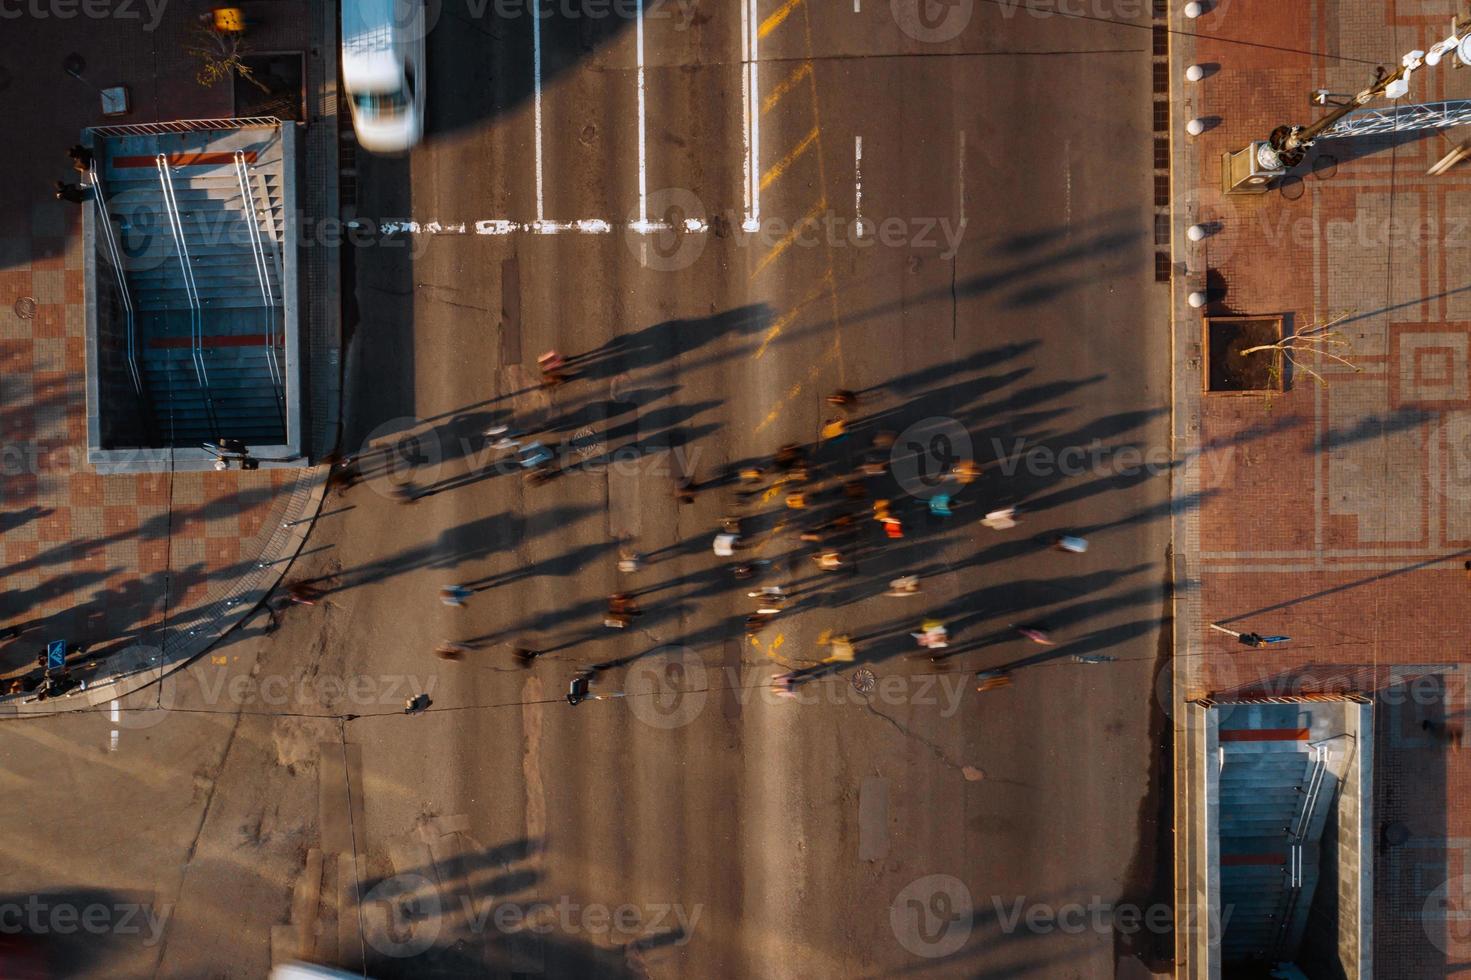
{"points": [[163, 561], [1339, 514]]}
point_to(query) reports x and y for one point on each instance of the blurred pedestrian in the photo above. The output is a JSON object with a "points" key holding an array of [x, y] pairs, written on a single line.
{"points": [[81, 159], [843, 398], [747, 570], [524, 656], [788, 456], [302, 594], [1092, 658], [621, 610], [455, 595], [883, 439], [834, 429], [1068, 542], [552, 365], [904, 585], [988, 680], [451, 651], [629, 560], [940, 505], [784, 686], [1000, 520], [725, 544], [501, 434], [932, 635], [841, 645], [966, 471], [828, 560], [771, 599], [405, 493], [1037, 635], [71, 193], [579, 690]]}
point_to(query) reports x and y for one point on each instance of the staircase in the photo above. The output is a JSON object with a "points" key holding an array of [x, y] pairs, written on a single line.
{"points": [[1275, 792], [201, 236]]}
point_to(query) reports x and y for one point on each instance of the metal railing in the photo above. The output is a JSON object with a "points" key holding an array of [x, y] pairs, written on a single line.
{"points": [[263, 277], [1297, 835], [114, 255], [196, 318], [185, 126]]}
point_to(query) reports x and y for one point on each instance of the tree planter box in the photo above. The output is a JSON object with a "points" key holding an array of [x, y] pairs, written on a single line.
{"points": [[1229, 372]]}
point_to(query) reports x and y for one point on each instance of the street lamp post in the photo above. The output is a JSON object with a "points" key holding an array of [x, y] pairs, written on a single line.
{"points": [[1252, 169]]}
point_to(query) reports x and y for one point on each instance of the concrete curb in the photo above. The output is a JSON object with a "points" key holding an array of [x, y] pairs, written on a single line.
{"points": [[197, 630], [1188, 274]]}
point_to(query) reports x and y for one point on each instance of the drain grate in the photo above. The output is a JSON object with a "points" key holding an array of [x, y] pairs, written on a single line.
{"points": [[863, 680], [1162, 267], [25, 308]]}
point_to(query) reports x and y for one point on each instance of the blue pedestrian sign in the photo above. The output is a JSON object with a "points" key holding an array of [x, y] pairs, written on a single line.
{"points": [[56, 655]]}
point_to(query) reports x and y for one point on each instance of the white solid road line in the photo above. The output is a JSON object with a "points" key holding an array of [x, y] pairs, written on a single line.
{"points": [[750, 31], [536, 84], [858, 184], [501, 226], [112, 715], [643, 156]]}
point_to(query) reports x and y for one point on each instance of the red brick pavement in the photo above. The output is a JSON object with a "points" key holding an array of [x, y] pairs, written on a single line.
{"points": [[1340, 514], [86, 557]]}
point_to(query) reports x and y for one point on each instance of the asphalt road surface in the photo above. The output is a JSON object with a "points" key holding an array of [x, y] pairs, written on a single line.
{"points": [[996, 302]]}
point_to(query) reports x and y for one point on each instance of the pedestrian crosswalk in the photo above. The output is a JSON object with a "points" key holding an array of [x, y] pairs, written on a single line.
{"points": [[761, 170]]}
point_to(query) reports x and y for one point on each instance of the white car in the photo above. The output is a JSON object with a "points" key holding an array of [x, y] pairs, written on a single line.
{"points": [[383, 71]]}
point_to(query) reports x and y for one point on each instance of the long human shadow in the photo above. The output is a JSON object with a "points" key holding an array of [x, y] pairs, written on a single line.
{"points": [[461, 907]]}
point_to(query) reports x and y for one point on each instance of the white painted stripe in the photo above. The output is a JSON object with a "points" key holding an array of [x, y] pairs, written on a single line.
{"points": [[113, 716], [855, 6], [502, 226], [858, 184], [753, 218], [496, 226], [746, 105], [643, 156], [536, 83]]}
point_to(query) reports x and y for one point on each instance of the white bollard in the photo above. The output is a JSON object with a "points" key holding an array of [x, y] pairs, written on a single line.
{"points": [[1197, 299], [1195, 126], [1194, 73], [1194, 10], [1195, 232]]}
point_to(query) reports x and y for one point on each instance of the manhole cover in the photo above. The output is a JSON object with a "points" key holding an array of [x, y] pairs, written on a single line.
{"points": [[863, 681], [25, 308]]}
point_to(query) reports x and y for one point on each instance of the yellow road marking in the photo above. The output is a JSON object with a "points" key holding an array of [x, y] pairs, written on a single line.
{"points": [[789, 238], [796, 389], [786, 86], [771, 175], [785, 320], [822, 181], [777, 16]]}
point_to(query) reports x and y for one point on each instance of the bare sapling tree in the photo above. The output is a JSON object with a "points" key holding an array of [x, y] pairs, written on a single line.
{"points": [[1319, 339], [221, 54]]}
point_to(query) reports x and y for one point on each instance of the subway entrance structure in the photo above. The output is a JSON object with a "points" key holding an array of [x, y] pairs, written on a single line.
{"points": [[192, 303]]}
